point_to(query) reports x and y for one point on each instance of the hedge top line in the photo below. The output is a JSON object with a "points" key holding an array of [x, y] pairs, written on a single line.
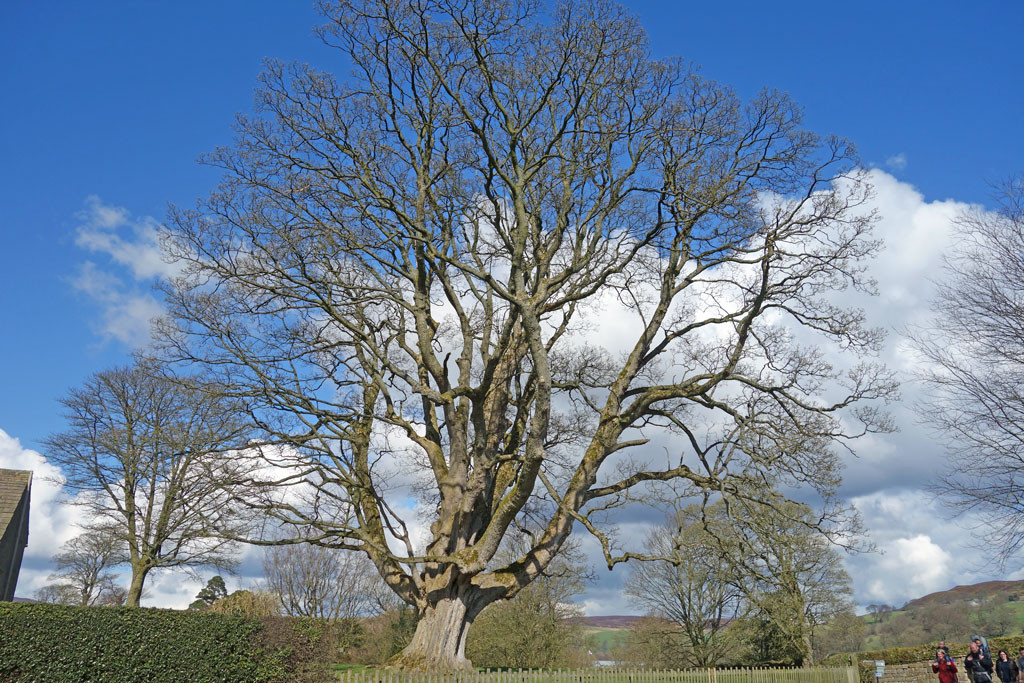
{"points": [[925, 653]]}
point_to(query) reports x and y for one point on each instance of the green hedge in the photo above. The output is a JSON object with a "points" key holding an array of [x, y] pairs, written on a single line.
{"points": [[41, 642], [921, 653]]}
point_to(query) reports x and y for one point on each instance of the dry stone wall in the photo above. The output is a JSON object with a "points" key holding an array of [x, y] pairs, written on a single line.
{"points": [[920, 672]]}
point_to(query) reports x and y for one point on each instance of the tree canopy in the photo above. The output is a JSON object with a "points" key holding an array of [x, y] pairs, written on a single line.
{"points": [[505, 266], [138, 450], [83, 575], [693, 590]]}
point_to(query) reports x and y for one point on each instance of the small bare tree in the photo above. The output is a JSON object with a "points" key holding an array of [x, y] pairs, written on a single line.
{"points": [[692, 589], [138, 453], [314, 581], [974, 345], [83, 574], [505, 256]]}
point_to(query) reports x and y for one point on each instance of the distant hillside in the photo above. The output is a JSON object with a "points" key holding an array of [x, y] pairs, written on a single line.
{"points": [[992, 608], [1012, 590]]}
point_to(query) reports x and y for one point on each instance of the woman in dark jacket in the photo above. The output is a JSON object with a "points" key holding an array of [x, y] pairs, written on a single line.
{"points": [[944, 666], [1006, 668]]}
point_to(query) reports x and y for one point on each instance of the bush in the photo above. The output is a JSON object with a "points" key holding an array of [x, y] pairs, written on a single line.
{"points": [[40, 642], [305, 647], [379, 638], [247, 604]]}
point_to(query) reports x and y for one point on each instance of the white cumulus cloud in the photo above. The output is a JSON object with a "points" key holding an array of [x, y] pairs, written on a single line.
{"points": [[920, 550], [51, 521], [911, 567]]}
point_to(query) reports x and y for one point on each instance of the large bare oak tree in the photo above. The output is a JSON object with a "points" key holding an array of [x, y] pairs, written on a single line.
{"points": [[513, 256]]}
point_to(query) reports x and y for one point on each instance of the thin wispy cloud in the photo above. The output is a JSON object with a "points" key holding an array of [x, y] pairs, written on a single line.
{"points": [[897, 162], [121, 283], [130, 242]]}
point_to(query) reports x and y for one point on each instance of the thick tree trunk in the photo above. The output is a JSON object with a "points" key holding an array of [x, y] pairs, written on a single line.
{"points": [[439, 643], [808, 647], [135, 588]]}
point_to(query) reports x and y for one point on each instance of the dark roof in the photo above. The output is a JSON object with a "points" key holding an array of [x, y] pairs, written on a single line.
{"points": [[13, 484]]}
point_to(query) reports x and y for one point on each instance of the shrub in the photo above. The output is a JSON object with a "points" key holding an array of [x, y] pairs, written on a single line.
{"points": [[40, 642], [380, 638], [306, 647], [247, 604]]}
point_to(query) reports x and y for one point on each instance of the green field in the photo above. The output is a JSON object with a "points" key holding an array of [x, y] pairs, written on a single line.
{"points": [[605, 639]]}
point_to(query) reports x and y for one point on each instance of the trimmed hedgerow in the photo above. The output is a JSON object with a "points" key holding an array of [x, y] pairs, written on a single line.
{"points": [[41, 642], [920, 653]]}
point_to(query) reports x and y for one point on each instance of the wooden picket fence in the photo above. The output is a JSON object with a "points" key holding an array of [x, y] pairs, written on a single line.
{"points": [[837, 674]]}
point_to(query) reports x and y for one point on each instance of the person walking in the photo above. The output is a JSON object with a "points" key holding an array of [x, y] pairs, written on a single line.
{"points": [[1006, 668], [944, 666], [1020, 666], [978, 665]]}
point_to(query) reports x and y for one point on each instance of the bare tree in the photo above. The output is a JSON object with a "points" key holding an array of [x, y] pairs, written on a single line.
{"points": [[693, 589], [653, 643], [791, 575], [138, 454], [769, 563], [314, 581], [974, 344], [844, 633], [83, 574], [407, 273]]}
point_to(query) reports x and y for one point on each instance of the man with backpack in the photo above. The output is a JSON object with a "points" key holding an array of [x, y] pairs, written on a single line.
{"points": [[978, 664]]}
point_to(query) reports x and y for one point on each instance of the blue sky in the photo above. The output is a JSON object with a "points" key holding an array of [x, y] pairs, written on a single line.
{"points": [[106, 105], [118, 99]]}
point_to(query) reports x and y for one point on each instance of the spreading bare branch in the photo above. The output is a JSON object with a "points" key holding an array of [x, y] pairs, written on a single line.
{"points": [[505, 256]]}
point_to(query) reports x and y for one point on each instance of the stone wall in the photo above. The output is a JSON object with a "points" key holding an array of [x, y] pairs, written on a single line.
{"points": [[920, 672]]}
